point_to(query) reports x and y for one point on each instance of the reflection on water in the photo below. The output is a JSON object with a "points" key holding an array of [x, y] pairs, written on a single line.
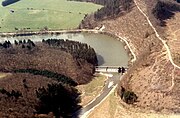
{"points": [[100, 59], [110, 52]]}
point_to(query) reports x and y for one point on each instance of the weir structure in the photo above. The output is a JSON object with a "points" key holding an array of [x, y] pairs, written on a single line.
{"points": [[110, 69]]}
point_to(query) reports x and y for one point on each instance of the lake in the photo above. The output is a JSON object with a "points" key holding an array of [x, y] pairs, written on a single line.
{"points": [[110, 51]]}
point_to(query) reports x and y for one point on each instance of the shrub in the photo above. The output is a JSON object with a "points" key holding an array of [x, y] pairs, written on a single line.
{"points": [[13, 93], [128, 96]]}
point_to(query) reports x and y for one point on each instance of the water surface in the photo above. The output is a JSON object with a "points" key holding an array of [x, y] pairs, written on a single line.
{"points": [[110, 51]]}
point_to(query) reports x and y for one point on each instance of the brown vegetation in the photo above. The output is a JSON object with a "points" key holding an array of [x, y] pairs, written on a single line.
{"points": [[112, 9], [173, 36], [24, 106], [152, 75], [43, 57], [165, 10], [43, 78]]}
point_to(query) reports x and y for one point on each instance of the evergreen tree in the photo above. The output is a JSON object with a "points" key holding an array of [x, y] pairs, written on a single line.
{"points": [[15, 42], [60, 99]]}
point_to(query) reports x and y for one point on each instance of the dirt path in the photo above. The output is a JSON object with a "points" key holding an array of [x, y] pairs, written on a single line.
{"points": [[158, 36], [129, 46]]}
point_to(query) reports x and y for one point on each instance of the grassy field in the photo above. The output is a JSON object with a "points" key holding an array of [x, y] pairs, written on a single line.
{"points": [[92, 89], [37, 14]]}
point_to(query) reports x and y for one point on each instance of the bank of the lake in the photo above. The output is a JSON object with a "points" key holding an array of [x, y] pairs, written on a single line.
{"points": [[110, 48], [48, 66], [73, 34]]}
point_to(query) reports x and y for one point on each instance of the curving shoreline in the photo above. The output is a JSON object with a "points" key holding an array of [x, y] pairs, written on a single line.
{"points": [[56, 32]]}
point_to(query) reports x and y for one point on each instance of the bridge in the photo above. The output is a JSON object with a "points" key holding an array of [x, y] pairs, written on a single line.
{"points": [[111, 69]]}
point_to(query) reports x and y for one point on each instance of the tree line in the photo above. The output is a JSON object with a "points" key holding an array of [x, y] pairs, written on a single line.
{"points": [[13, 93], [111, 7], [6, 44], [60, 97], [165, 10], [49, 74], [23, 43], [77, 49]]}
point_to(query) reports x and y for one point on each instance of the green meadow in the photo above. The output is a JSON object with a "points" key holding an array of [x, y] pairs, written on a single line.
{"points": [[34, 15]]}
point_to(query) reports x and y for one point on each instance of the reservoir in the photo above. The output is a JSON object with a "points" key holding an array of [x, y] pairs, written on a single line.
{"points": [[110, 51]]}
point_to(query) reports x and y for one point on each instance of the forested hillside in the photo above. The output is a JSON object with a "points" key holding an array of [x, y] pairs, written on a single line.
{"points": [[111, 7], [42, 77], [165, 9]]}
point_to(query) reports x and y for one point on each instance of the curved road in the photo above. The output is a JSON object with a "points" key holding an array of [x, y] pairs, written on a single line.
{"points": [[110, 84]]}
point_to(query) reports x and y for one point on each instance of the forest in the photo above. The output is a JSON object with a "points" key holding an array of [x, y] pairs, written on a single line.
{"points": [[29, 99], [111, 8], [165, 10], [59, 77], [77, 49], [43, 77], [60, 99], [24, 44]]}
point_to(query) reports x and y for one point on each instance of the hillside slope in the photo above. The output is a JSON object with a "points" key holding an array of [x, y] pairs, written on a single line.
{"points": [[154, 76]]}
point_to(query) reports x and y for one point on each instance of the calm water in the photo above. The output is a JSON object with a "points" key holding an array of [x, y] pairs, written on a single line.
{"points": [[110, 52]]}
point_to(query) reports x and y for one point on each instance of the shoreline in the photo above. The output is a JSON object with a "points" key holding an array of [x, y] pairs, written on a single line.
{"points": [[125, 43], [129, 51]]}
